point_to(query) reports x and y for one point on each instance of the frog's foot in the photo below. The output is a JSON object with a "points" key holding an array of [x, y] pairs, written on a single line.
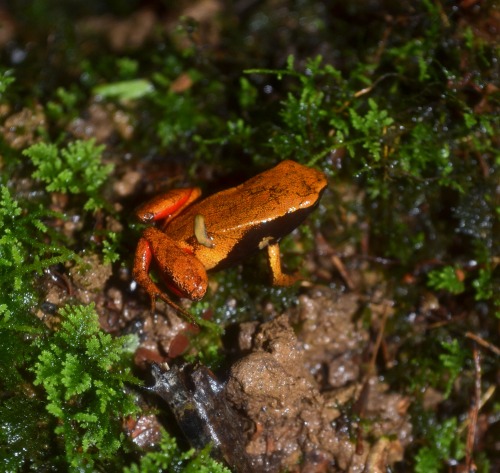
{"points": [[177, 308], [279, 278], [154, 292]]}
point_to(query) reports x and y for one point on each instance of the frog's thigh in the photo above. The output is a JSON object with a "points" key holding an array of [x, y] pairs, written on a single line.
{"points": [[181, 270], [279, 278]]}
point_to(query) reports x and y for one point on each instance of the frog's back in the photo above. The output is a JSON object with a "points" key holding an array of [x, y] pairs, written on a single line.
{"points": [[238, 220], [280, 191]]}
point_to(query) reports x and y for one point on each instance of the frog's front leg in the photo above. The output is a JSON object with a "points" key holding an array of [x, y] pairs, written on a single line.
{"points": [[182, 271], [278, 277]]}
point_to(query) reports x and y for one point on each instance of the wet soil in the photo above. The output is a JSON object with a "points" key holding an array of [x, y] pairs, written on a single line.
{"points": [[302, 393]]}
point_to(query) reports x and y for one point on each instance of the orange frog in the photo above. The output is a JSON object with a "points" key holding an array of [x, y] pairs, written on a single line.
{"points": [[221, 230]]}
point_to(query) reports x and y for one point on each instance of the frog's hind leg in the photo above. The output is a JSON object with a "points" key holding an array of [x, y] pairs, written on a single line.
{"points": [[278, 277]]}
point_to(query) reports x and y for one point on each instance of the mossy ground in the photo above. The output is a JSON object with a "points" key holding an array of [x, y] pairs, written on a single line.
{"points": [[103, 106]]}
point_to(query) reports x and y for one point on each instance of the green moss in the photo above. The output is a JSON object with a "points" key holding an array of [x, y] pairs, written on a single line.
{"points": [[110, 248], [28, 246], [75, 169], [168, 457], [445, 445], [5, 80], [446, 278], [65, 104], [84, 372], [182, 114], [26, 437], [24, 249], [453, 360]]}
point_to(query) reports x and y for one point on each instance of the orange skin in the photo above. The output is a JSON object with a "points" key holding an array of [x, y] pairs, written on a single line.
{"points": [[223, 229]]}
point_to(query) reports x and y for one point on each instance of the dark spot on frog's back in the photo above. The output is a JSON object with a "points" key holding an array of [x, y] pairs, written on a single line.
{"points": [[275, 229]]}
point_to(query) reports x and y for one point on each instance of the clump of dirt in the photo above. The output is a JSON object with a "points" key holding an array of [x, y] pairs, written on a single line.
{"points": [[102, 122], [297, 423], [22, 128], [331, 339]]}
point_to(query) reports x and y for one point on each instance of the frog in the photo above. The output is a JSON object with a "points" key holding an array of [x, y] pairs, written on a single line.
{"points": [[192, 236]]}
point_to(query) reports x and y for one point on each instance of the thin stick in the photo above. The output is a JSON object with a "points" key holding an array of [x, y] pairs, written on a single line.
{"points": [[473, 412], [484, 343]]}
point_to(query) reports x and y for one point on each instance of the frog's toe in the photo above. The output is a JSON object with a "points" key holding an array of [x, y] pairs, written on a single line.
{"points": [[283, 279]]}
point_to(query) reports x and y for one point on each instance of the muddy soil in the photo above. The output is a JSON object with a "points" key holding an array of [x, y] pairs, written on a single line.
{"points": [[302, 419]]}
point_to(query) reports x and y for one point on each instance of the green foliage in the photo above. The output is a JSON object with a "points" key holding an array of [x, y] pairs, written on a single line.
{"points": [[454, 361], [324, 114], [23, 246], [12, 256], [64, 104], [206, 347], [445, 447], [125, 90], [27, 247], [5, 80], [436, 362], [16, 327], [127, 67], [26, 440], [371, 126], [483, 285], [306, 112], [203, 463], [110, 248], [76, 169], [181, 118], [169, 458], [183, 110], [446, 279], [248, 93], [482, 131], [83, 372]]}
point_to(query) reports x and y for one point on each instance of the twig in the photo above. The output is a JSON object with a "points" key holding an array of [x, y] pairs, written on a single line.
{"points": [[339, 266], [473, 412], [484, 343], [360, 404], [380, 335]]}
